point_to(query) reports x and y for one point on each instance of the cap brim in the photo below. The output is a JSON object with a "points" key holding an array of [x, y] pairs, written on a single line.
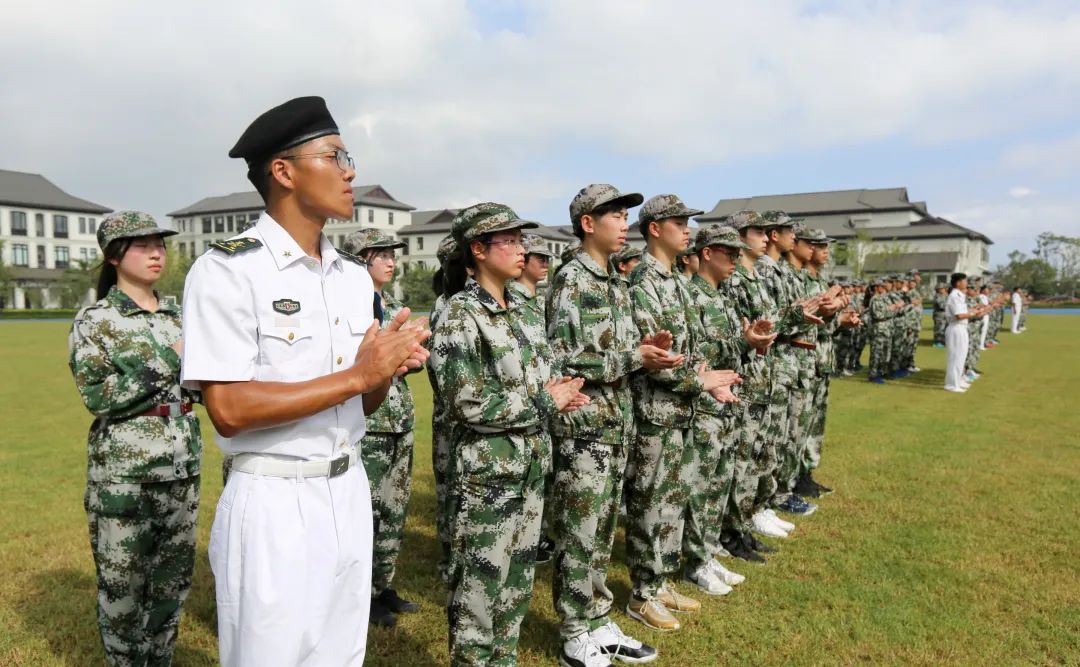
{"points": [[150, 232], [629, 200]]}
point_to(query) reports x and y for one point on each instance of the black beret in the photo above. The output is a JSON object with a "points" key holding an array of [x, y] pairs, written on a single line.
{"points": [[287, 125]]}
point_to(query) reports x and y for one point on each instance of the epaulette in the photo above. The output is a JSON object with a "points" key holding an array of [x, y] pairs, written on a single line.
{"points": [[351, 257], [234, 246]]}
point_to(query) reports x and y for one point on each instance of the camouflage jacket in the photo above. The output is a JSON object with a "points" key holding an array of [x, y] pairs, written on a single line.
{"points": [[880, 312], [753, 301], [397, 413], [824, 357], [939, 303], [531, 308], [590, 326], [491, 368], [438, 407], [723, 346], [122, 359], [791, 364], [660, 301]]}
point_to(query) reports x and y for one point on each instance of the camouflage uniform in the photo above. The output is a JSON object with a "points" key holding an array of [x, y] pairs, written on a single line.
{"points": [[440, 427], [142, 493], [591, 327], [880, 334], [491, 368], [824, 360], [975, 325], [940, 321]]}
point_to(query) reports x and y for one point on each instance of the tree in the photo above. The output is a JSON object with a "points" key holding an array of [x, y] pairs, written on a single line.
{"points": [[172, 279], [1062, 253], [416, 286], [75, 283], [1030, 273], [853, 253]]}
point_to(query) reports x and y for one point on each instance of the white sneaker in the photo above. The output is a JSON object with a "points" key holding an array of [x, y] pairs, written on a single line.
{"points": [[704, 579], [582, 651], [620, 646], [763, 526], [956, 390], [727, 576], [913, 369], [786, 526]]}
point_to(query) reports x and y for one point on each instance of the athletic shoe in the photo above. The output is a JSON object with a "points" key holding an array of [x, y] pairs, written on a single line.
{"points": [[396, 603], [379, 615], [620, 646], [913, 369], [877, 379], [796, 505], [956, 390], [805, 487], [676, 601], [787, 526], [740, 548], [652, 614], [763, 526], [582, 651], [727, 576], [705, 579]]}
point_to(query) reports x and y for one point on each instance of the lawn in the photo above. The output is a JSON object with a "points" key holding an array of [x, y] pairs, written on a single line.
{"points": [[952, 538]]}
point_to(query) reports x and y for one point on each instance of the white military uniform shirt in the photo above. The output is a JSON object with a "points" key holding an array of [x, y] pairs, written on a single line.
{"points": [[956, 305], [275, 314]]}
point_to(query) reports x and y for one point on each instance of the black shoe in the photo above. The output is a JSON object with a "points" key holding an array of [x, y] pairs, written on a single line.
{"points": [[544, 550], [395, 603], [821, 488], [805, 486], [758, 545], [381, 616], [739, 549]]}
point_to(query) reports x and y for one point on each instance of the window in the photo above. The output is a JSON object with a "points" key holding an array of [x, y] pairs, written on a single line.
{"points": [[405, 251], [219, 224], [82, 225], [985, 254], [20, 254], [183, 248], [63, 257], [229, 223], [84, 255], [93, 253], [205, 246], [207, 226], [371, 215], [356, 214], [59, 226], [419, 242], [18, 223], [39, 224], [41, 257], [390, 217], [93, 225]]}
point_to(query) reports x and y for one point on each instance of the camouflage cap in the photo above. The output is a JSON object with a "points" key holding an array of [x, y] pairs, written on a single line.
{"points": [[487, 218], [569, 251], [740, 220], [448, 248], [772, 219], [811, 236], [361, 241], [662, 207], [626, 253], [535, 245], [591, 197], [126, 225], [717, 235]]}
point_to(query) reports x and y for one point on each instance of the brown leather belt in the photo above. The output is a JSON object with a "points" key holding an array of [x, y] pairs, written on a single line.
{"points": [[802, 344], [168, 410]]}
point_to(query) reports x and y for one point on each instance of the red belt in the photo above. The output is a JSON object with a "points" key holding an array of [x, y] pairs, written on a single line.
{"points": [[168, 410]]}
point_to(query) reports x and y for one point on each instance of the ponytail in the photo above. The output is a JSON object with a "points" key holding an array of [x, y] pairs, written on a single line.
{"points": [[107, 276]]}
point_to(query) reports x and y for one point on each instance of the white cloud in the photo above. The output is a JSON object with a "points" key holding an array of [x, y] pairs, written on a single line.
{"points": [[1015, 224], [1019, 192]]}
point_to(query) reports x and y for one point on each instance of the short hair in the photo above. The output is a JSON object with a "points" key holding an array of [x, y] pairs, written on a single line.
{"points": [[955, 279], [597, 213]]}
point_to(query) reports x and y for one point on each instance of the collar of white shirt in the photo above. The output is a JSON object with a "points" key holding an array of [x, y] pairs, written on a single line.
{"points": [[286, 251]]}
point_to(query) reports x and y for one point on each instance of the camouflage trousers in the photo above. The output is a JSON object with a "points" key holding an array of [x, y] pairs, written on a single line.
{"points": [[819, 403], [440, 465], [750, 460], [940, 322], [880, 351], [387, 459], [974, 345], [770, 439], [862, 337], [657, 507], [585, 495], [494, 530], [898, 340], [708, 471], [143, 540], [789, 450]]}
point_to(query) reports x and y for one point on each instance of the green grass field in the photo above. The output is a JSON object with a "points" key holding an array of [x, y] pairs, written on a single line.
{"points": [[952, 539]]}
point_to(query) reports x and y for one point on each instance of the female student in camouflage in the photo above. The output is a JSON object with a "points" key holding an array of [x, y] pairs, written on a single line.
{"points": [[496, 375], [387, 446], [142, 493]]}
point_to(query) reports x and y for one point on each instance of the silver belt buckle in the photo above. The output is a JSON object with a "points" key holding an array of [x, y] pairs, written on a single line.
{"points": [[175, 409], [339, 465]]}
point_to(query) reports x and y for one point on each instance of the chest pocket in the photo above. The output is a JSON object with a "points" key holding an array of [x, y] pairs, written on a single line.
{"points": [[291, 330], [358, 325]]}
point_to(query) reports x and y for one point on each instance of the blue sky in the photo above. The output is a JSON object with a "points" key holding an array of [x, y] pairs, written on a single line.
{"points": [[971, 106]]}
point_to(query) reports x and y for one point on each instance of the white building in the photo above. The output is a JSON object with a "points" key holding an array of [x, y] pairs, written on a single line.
{"points": [[217, 218], [44, 230], [880, 230], [431, 227]]}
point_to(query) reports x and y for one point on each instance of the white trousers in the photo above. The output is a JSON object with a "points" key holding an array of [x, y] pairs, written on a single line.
{"points": [[1016, 321], [984, 328], [956, 349], [292, 569]]}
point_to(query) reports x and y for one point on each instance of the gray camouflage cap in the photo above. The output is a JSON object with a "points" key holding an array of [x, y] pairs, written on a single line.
{"points": [[811, 236], [534, 245], [773, 219], [718, 235], [662, 207], [740, 220], [126, 225], [626, 253], [591, 197], [448, 248], [360, 242], [487, 218]]}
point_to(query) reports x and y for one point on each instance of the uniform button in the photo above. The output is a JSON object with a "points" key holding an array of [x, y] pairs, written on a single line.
{"points": [[337, 320], [291, 335], [339, 361]]}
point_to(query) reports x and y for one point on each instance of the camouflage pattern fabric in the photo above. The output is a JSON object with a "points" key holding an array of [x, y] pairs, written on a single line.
{"points": [[819, 399], [128, 224], [663, 408], [491, 369], [975, 325], [818, 393], [440, 449], [142, 495], [880, 335], [591, 327]]}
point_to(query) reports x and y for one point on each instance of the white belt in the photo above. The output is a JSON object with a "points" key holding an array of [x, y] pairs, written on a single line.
{"points": [[274, 467]]}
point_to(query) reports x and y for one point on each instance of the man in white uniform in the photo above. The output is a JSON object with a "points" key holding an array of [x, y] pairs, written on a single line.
{"points": [[1017, 308], [956, 334], [279, 333]]}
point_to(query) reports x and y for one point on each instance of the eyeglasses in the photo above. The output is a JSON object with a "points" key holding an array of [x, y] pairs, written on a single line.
{"points": [[344, 160], [513, 243]]}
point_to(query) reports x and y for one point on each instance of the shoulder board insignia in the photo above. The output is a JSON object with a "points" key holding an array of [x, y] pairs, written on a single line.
{"points": [[234, 246], [351, 257]]}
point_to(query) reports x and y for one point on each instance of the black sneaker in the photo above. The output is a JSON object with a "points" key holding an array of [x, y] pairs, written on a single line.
{"points": [[757, 545], [396, 604], [544, 550], [821, 488], [739, 548], [379, 615], [805, 486]]}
